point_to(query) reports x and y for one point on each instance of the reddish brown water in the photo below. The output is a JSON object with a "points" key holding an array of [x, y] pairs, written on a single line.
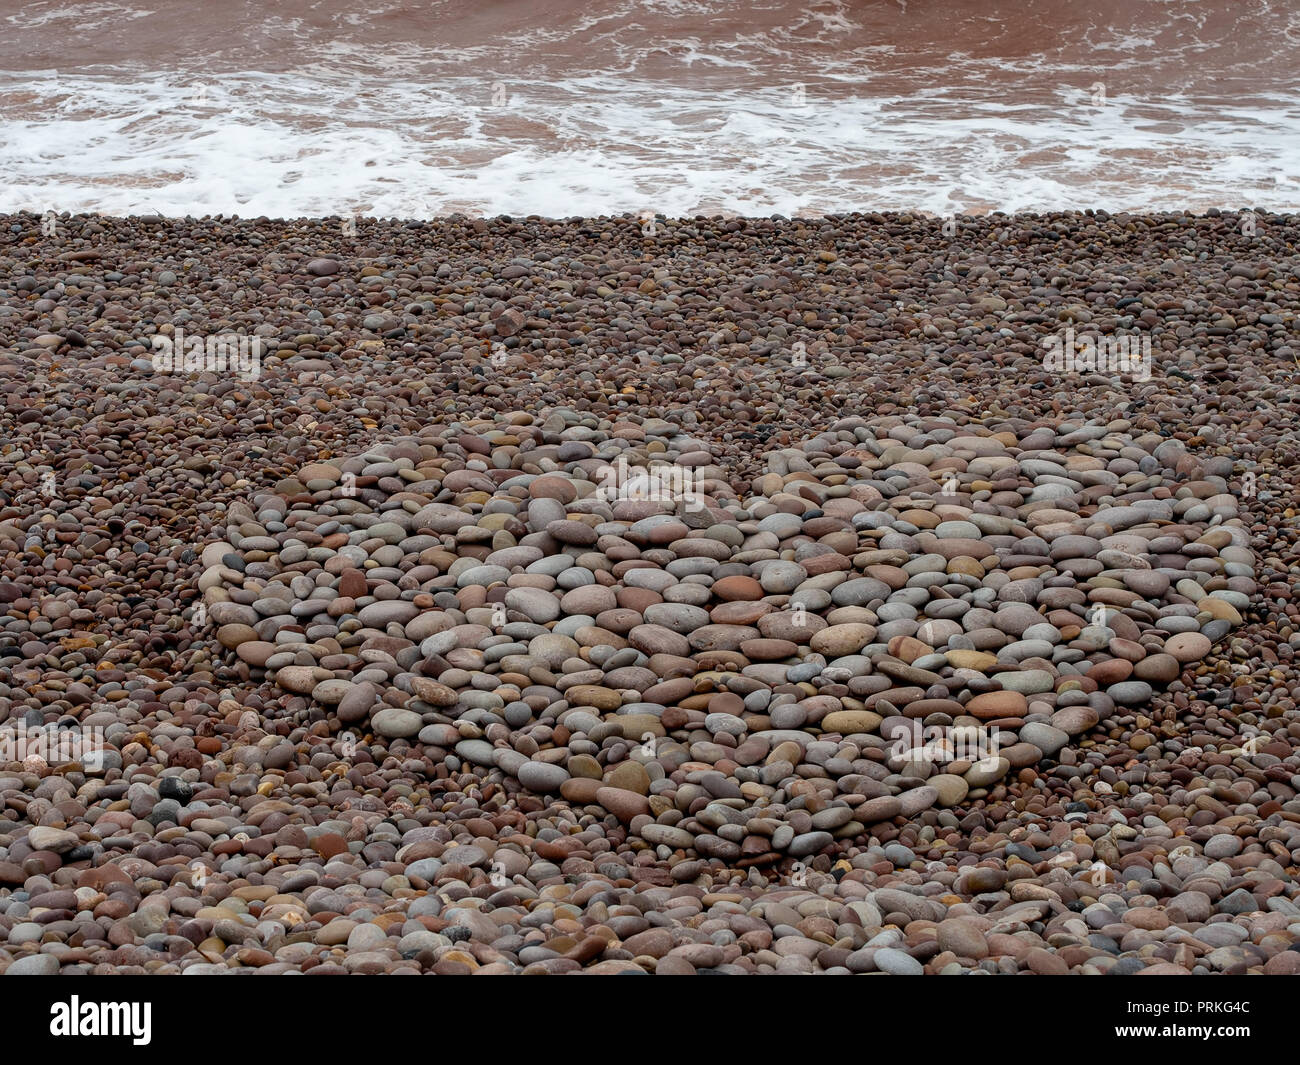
{"points": [[676, 107]]}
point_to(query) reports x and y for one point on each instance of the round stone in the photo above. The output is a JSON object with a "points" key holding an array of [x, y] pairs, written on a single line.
{"points": [[396, 722], [542, 777], [1188, 646]]}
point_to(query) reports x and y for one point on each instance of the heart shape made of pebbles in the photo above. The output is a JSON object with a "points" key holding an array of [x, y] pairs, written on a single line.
{"points": [[893, 617]]}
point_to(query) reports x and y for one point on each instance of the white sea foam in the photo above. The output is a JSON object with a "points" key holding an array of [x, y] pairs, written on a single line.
{"points": [[679, 122]]}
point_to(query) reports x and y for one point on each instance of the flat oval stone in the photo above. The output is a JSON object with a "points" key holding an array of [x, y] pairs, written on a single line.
{"points": [[1073, 720], [542, 777], [1130, 692], [1188, 646], [992, 705], [394, 722], [377, 615]]}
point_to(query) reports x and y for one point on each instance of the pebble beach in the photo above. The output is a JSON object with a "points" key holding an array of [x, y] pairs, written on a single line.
{"points": [[650, 594]]}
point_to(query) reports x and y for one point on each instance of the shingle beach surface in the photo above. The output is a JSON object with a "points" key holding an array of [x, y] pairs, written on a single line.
{"points": [[748, 595]]}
